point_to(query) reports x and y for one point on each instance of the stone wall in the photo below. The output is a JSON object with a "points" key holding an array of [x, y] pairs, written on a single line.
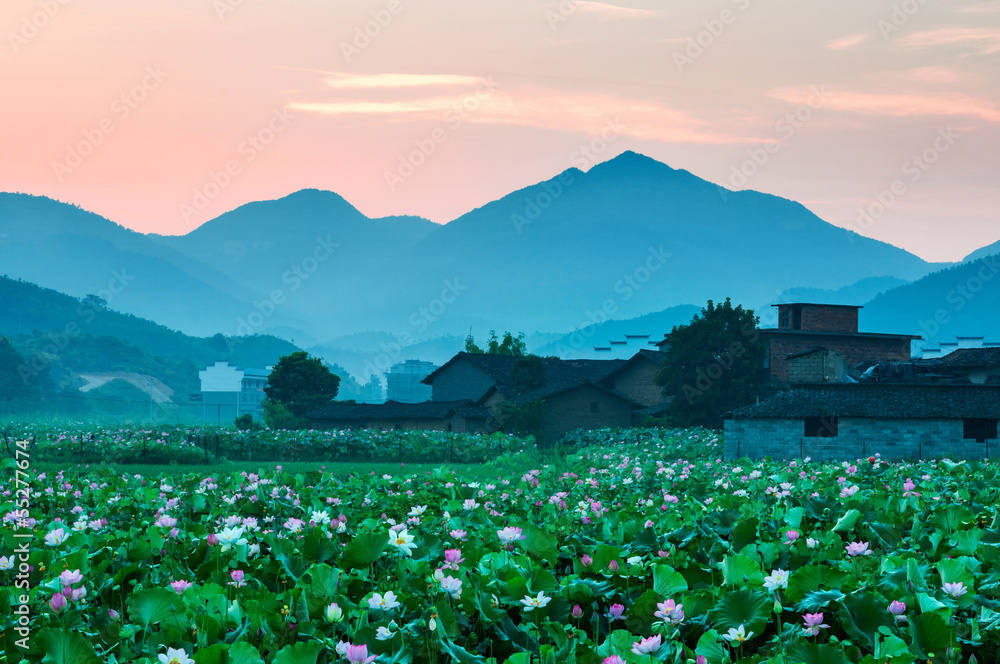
{"points": [[857, 438], [637, 382], [854, 349]]}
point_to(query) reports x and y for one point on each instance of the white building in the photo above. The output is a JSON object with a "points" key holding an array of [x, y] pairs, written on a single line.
{"points": [[228, 392]]}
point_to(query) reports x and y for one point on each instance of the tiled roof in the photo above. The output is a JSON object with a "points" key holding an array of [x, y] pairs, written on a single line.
{"points": [[972, 357], [556, 370], [397, 410], [552, 389], [879, 401]]}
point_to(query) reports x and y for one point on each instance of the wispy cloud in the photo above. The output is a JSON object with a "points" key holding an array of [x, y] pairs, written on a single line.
{"points": [[895, 105], [363, 81], [850, 41], [608, 12], [530, 106], [985, 41]]}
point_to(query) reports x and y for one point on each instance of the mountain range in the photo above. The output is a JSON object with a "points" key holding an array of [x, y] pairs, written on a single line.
{"points": [[629, 238]]}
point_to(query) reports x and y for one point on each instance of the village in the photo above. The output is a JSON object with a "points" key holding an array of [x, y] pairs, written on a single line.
{"points": [[828, 391]]}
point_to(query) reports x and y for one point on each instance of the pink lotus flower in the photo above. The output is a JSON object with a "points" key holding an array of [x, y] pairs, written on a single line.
{"points": [[814, 623], [670, 611], [791, 535], [238, 578], [908, 488], [213, 539], [897, 609], [613, 566], [358, 654], [954, 590], [614, 659], [113, 615], [858, 549], [586, 561], [647, 646], [577, 612], [69, 578], [180, 586], [616, 612], [58, 603]]}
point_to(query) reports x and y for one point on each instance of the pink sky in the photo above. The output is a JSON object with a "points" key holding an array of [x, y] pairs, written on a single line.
{"points": [[163, 97]]}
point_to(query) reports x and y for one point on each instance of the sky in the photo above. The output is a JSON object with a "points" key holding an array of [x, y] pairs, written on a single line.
{"points": [[881, 117]]}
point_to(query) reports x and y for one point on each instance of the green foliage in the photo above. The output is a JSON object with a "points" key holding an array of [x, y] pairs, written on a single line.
{"points": [[528, 373], [245, 422], [278, 416], [510, 345], [523, 419], [712, 365], [301, 383]]}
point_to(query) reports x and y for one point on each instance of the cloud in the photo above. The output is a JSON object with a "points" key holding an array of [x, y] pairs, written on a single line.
{"points": [[850, 41], [487, 102], [986, 41], [362, 81], [894, 105], [608, 12]]}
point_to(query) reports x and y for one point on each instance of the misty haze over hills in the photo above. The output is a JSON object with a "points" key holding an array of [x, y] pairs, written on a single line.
{"points": [[630, 238]]}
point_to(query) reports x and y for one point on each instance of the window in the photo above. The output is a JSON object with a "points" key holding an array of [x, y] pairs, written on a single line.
{"points": [[791, 318], [821, 427], [979, 429], [593, 407]]}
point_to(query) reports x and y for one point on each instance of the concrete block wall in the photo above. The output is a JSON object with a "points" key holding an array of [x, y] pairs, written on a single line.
{"points": [[857, 438]]}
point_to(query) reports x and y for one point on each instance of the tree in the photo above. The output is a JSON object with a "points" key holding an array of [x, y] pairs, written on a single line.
{"points": [[301, 383], [528, 373], [712, 365], [510, 345]]}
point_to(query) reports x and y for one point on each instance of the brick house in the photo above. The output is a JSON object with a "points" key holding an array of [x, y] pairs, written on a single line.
{"points": [[833, 328], [857, 421]]}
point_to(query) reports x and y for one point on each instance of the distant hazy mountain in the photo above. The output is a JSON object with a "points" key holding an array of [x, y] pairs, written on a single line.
{"points": [[629, 237], [963, 300], [621, 336], [856, 293], [988, 250], [76, 252]]}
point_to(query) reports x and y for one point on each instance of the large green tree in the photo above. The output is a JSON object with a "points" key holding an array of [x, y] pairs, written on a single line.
{"points": [[301, 384], [712, 365]]}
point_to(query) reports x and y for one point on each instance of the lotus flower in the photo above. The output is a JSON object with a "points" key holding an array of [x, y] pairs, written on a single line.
{"points": [[334, 613], [385, 602], [897, 609], [58, 603], [56, 537], [180, 586], [614, 659], [776, 580], [814, 623], [616, 612], [509, 535], [670, 611], [176, 656], [532, 603], [647, 646], [858, 549], [403, 541], [68, 578], [955, 590], [358, 654], [737, 634]]}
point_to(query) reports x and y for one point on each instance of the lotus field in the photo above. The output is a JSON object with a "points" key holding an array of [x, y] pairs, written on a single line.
{"points": [[638, 546]]}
